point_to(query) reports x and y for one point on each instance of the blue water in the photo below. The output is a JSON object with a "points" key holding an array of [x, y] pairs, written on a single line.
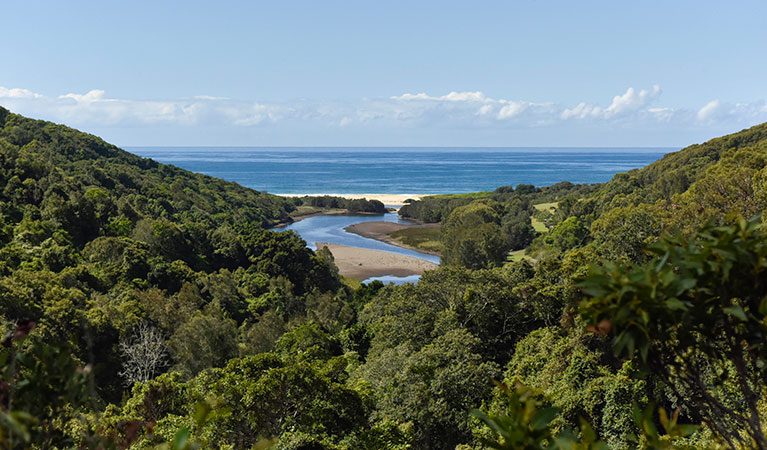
{"points": [[401, 170], [331, 229]]}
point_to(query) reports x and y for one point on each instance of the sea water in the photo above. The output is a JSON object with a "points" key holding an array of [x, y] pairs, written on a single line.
{"points": [[402, 170]]}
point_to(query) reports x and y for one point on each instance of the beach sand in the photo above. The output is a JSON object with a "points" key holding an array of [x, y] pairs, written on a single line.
{"points": [[361, 263], [386, 199], [380, 232]]}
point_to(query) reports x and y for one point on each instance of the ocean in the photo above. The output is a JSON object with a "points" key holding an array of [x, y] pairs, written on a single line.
{"points": [[402, 170]]}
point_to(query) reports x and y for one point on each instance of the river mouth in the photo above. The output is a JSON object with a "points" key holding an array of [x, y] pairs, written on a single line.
{"points": [[330, 229]]}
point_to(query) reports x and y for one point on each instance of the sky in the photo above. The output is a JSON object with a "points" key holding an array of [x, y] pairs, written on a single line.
{"points": [[393, 73]]}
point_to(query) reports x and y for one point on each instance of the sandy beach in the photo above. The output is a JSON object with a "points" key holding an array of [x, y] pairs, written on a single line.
{"points": [[386, 199], [380, 232], [362, 263]]}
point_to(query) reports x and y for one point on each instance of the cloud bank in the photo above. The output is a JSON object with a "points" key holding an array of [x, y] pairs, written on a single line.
{"points": [[634, 109]]}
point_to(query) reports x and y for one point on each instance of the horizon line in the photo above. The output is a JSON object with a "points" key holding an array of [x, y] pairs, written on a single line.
{"points": [[405, 146]]}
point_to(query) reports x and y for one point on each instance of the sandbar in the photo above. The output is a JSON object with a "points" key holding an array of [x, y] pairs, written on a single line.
{"points": [[380, 231], [362, 263]]}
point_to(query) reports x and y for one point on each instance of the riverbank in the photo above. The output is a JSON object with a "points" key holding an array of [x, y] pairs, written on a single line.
{"points": [[380, 231], [362, 263]]}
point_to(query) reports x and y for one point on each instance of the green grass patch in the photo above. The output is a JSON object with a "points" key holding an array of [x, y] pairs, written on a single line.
{"points": [[424, 238], [515, 256], [538, 225], [551, 206]]}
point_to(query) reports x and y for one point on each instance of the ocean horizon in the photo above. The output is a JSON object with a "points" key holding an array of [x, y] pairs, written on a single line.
{"points": [[397, 170]]}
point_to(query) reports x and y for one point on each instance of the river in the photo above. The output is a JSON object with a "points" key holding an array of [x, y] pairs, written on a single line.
{"points": [[330, 229]]}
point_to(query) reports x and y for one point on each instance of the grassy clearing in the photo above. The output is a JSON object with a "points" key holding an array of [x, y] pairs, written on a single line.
{"points": [[538, 225], [515, 256], [424, 238], [551, 206]]}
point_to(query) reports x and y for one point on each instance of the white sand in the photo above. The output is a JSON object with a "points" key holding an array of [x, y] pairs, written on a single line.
{"points": [[362, 263]]}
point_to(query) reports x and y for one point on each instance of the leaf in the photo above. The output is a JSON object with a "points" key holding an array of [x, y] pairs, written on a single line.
{"points": [[685, 284], [180, 439], [543, 417], [675, 304], [737, 311], [202, 410]]}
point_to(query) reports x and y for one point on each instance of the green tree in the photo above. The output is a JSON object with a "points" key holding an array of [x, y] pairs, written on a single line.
{"points": [[431, 388], [207, 339], [567, 234], [695, 316], [473, 238], [623, 233]]}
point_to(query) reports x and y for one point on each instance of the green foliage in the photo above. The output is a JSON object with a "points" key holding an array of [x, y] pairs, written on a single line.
{"points": [[267, 344], [483, 302], [358, 205], [95, 241], [424, 238], [696, 315], [431, 388], [569, 370], [526, 423], [622, 233], [566, 235], [649, 431], [472, 237], [207, 339], [33, 371]]}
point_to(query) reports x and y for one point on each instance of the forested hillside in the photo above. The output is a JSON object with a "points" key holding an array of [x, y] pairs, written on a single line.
{"points": [[148, 307]]}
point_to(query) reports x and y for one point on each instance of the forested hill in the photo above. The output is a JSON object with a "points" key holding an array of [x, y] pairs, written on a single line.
{"points": [[677, 172], [146, 307], [95, 241], [93, 187]]}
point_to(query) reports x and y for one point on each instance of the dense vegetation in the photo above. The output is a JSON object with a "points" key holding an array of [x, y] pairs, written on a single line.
{"points": [[150, 306], [357, 205]]}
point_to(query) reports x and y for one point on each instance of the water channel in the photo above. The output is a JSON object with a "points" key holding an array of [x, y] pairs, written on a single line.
{"points": [[330, 229]]}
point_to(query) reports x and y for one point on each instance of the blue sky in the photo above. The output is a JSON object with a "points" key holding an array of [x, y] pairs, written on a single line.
{"points": [[506, 73]]}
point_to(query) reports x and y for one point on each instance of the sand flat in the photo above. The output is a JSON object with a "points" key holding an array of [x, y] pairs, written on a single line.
{"points": [[362, 263]]}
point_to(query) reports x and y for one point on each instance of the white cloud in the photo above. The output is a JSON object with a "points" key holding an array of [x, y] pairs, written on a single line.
{"points": [[631, 101], [476, 96], [717, 111], [18, 93], [581, 111], [452, 111], [89, 97], [662, 114], [709, 110], [209, 97], [512, 109]]}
